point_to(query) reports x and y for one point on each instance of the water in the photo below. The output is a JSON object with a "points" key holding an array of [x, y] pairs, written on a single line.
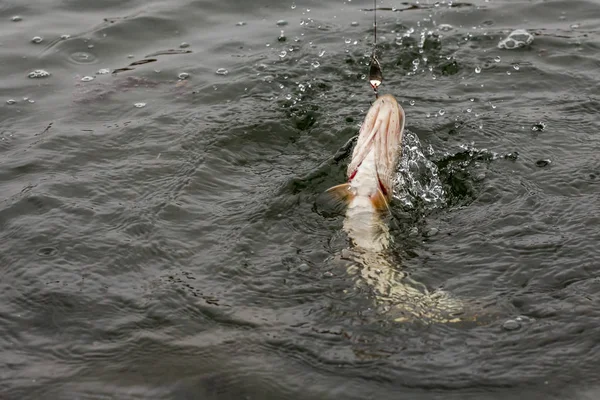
{"points": [[173, 251]]}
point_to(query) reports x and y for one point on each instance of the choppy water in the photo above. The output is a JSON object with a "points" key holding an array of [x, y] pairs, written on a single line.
{"points": [[159, 238]]}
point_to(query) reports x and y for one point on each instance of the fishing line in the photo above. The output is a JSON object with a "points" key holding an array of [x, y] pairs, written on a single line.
{"points": [[375, 74]]}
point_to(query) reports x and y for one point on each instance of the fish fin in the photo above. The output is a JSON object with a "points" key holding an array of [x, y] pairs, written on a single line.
{"points": [[341, 193], [334, 200], [380, 202]]}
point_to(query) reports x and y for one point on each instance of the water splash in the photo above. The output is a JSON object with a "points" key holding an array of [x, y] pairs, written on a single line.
{"points": [[417, 180]]}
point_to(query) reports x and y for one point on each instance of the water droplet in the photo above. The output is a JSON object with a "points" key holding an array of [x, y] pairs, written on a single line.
{"points": [[348, 41], [442, 111], [282, 22], [184, 45], [38, 73], [222, 71], [516, 67], [103, 71], [87, 78], [354, 23], [82, 57], [11, 101], [315, 64], [497, 59], [477, 69], [47, 251], [183, 75], [412, 102], [16, 18], [241, 23], [282, 54], [139, 105], [37, 39]]}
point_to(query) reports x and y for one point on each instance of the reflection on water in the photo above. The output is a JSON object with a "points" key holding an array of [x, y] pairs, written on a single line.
{"points": [[160, 173]]}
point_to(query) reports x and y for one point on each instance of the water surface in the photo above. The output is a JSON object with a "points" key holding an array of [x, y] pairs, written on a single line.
{"points": [[172, 250]]}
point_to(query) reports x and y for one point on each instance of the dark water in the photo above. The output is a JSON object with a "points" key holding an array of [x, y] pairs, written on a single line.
{"points": [[173, 251]]}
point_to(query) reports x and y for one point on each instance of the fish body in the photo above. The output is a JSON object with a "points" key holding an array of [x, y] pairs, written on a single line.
{"points": [[367, 194]]}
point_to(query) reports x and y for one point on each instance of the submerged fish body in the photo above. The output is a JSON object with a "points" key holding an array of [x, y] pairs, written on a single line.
{"points": [[367, 195]]}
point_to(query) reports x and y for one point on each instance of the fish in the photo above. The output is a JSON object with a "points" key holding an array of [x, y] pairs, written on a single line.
{"points": [[366, 197]]}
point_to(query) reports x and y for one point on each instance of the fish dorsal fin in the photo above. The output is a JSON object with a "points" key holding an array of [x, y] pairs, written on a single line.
{"points": [[380, 202], [335, 199]]}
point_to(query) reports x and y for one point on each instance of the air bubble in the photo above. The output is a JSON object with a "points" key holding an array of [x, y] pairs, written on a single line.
{"points": [[442, 112], [103, 71], [87, 78], [184, 45], [348, 41], [282, 22], [38, 73], [182, 76], [241, 23], [497, 59], [16, 18], [282, 54], [37, 39], [511, 325], [82, 57], [293, 6], [139, 105], [322, 53], [354, 23], [538, 127], [315, 64], [11, 101], [412, 102], [445, 27], [477, 69], [222, 71], [65, 36], [516, 67], [516, 39]]}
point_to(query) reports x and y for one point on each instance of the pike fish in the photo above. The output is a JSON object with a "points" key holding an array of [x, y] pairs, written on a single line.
{"points": [[367, 196]]}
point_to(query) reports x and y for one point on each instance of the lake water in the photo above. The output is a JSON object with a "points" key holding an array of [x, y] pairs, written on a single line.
{"points": [[159, 236]]}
